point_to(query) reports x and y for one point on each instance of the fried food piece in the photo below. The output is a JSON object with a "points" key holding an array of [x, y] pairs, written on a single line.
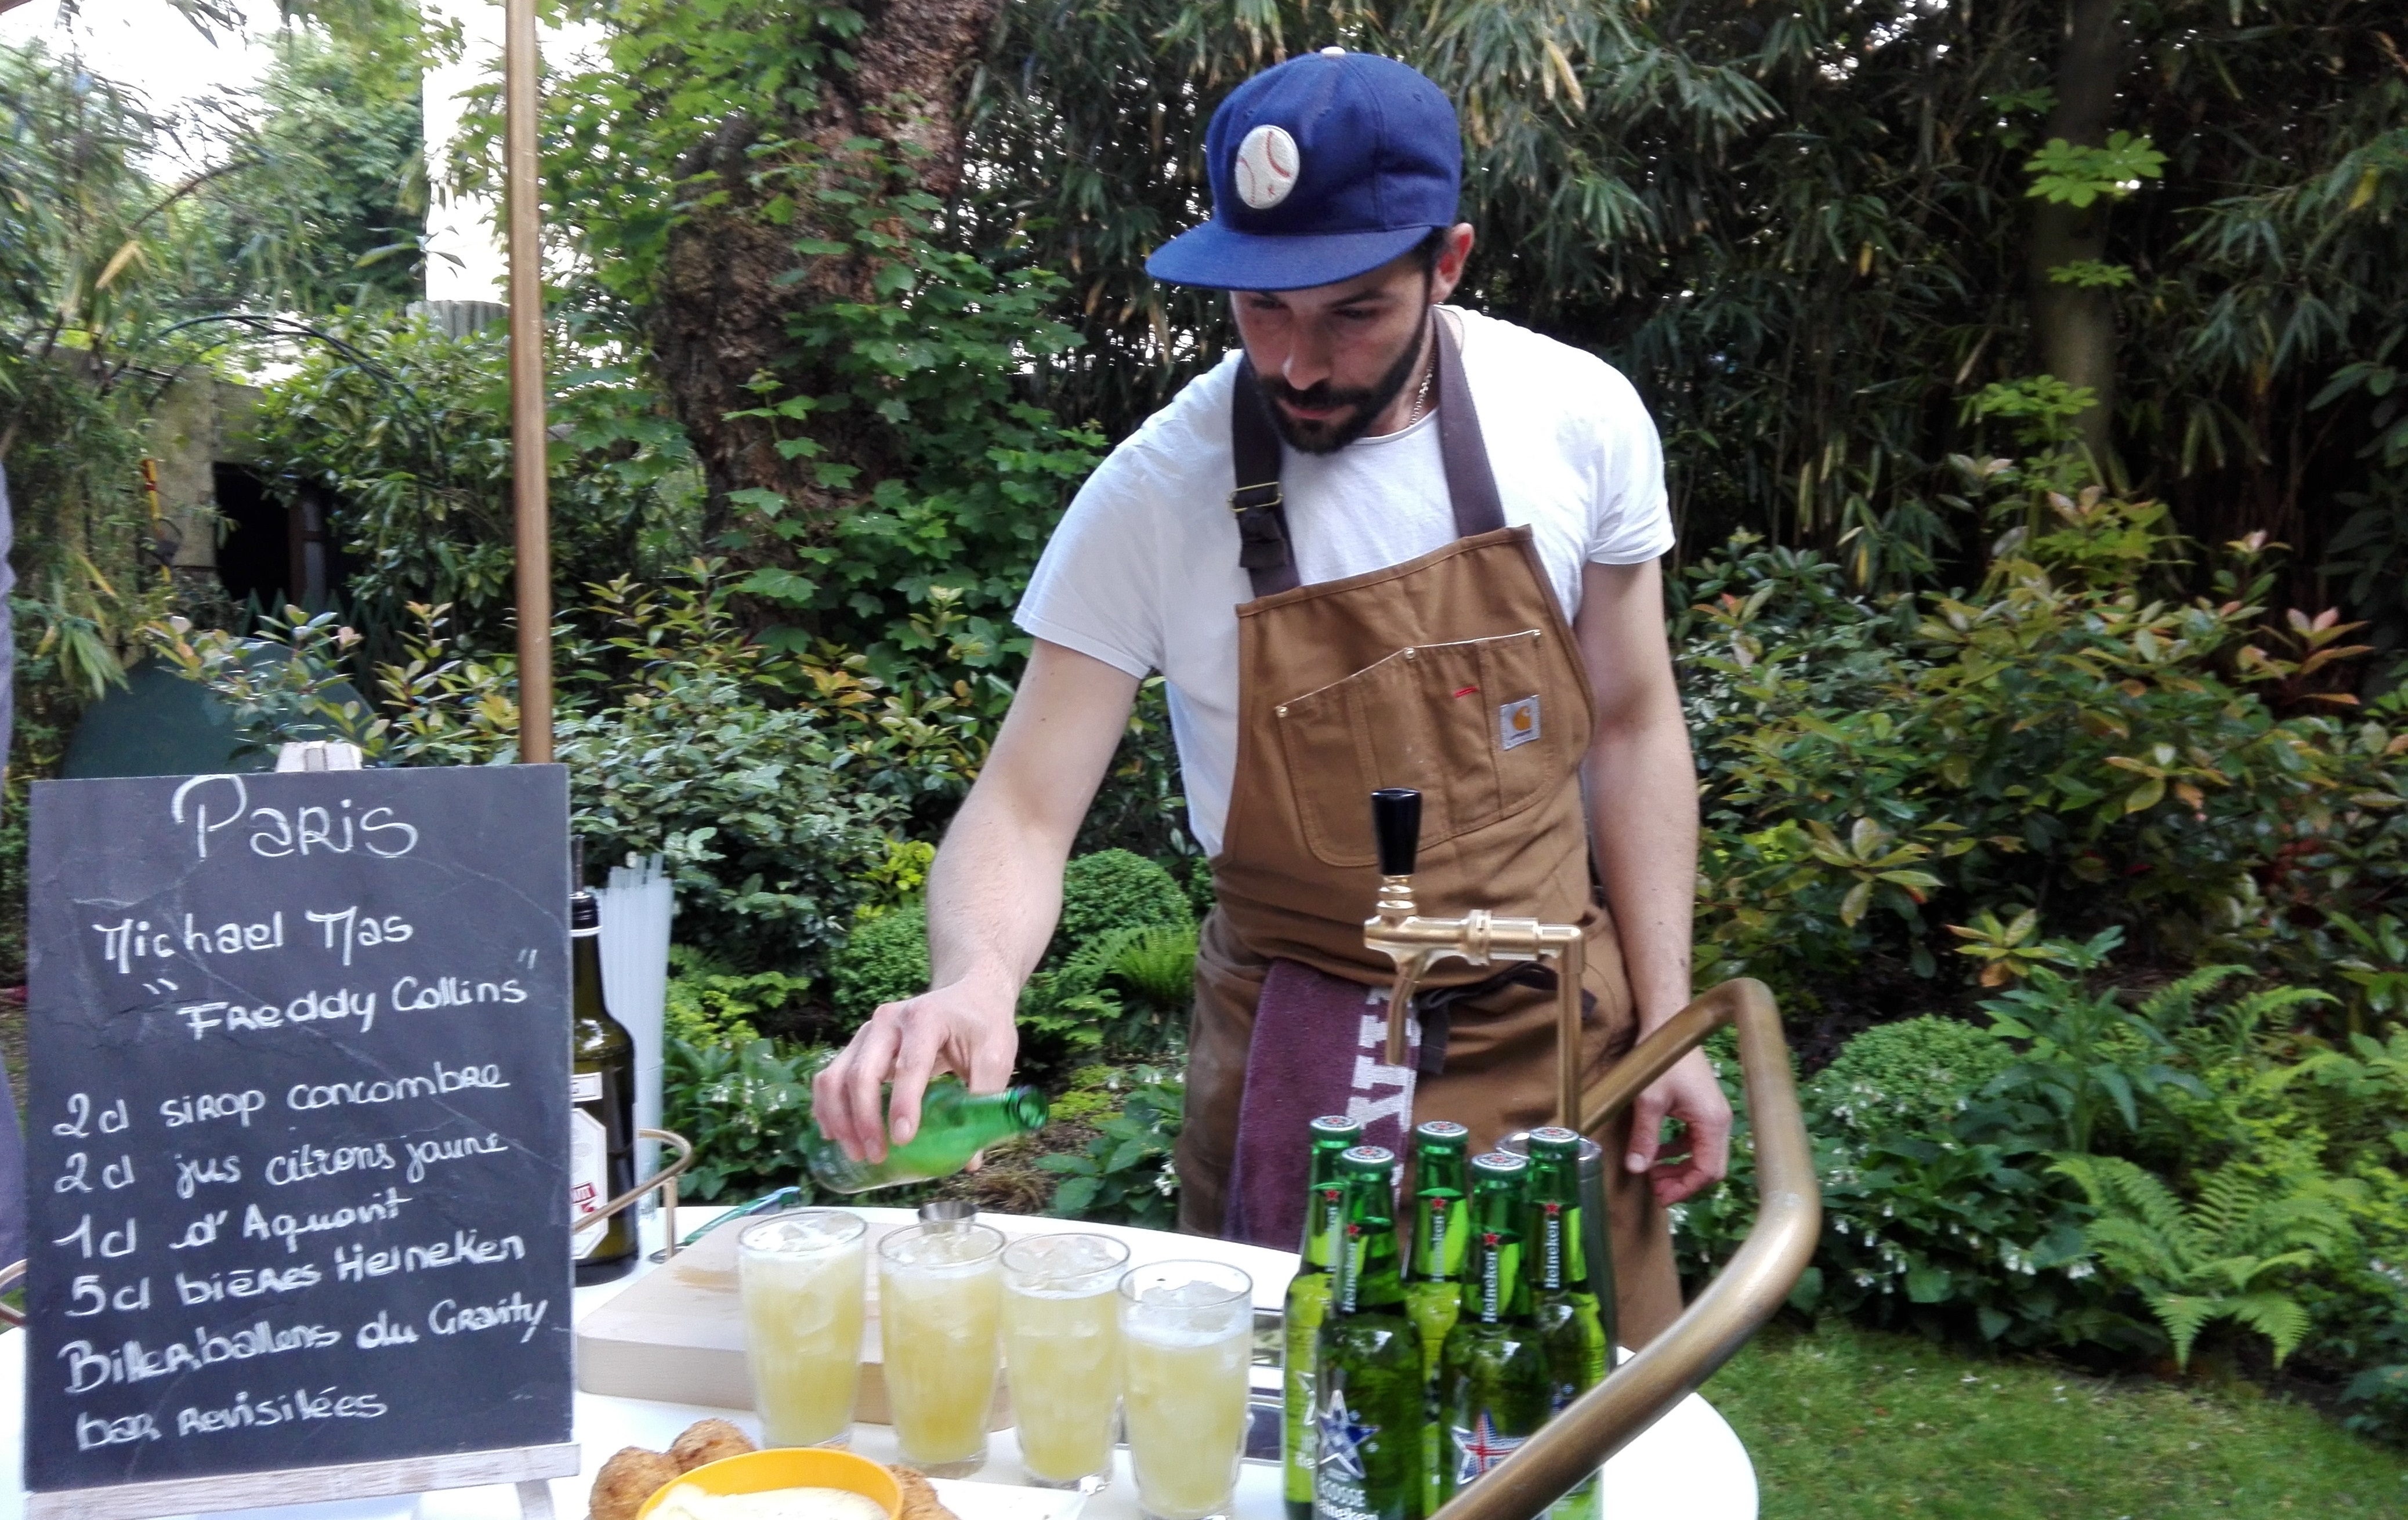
{"points": [[708, 1441], [630, 1477], [920, 1500]]}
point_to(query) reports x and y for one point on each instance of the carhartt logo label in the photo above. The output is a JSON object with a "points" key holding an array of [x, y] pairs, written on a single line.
{"points": [[1517, 723], [1266, 167]]}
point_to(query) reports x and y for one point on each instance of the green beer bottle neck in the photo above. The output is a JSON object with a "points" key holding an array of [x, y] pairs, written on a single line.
{"points": [[1499, 1293], [1372, 1278], [1437, 1228], [951, 1119], [1552, 1237], [1325, 1194]]}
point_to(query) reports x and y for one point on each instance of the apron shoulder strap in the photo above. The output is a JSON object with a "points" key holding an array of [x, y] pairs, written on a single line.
{"points": [[1470, 484], [1261, 510], [1263, 546]]}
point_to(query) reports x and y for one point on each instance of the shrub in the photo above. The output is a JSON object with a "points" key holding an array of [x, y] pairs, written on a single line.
{"points": [[1115, 889], [746, 1109], [1915, 1073], [1126, 1177], [885, 961], [708, 1004]]}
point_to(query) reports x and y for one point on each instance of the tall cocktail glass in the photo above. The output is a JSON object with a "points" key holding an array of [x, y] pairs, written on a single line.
{"points": [[1186, 1337], [939, 1297], [802, 1276], [1062, 1348]]}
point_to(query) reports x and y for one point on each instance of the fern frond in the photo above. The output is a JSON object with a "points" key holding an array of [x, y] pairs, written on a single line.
{"points": [[2183, 1315], [2278, 1317], [2181, 997]]}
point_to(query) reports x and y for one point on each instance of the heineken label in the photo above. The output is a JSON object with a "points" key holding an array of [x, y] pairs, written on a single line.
{"points": [[1480, 1447], [1342, 1488], [1433, 1243], [1550, 1245], [1492, 1283]]}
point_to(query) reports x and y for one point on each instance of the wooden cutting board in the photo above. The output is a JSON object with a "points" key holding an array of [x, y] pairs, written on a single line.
{"points": [[676, 1333]]}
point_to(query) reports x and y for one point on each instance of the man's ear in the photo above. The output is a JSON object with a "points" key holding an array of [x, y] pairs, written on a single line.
{"points": [[1452, 257]]}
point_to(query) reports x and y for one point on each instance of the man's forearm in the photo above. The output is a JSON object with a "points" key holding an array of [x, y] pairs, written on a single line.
{"points": [[1642, 800], [994, 894]]}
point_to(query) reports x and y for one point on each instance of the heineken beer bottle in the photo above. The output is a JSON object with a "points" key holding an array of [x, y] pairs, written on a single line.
{"points": [[1493, 1389], [1571, 1327], [1308, 1301], [1434, 1269], [955, 1126], [1371, 1395], [1438, 1233]]}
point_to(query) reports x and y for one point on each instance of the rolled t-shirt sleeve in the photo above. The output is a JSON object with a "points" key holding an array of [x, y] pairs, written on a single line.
{"points": [[1630, 519], [1095, 586]]}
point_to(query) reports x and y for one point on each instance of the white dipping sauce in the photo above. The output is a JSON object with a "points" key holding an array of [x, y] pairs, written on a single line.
{"points": [[689, 1501]]}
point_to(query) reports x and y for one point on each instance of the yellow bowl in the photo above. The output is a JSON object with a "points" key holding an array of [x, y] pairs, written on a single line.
{"points": [[791, 1467]]}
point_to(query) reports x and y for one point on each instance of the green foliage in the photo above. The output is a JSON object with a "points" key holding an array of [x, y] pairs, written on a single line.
{"points": [[709, 1005], [408, 430], [2075, 175], [1877, 769], [746, 1108], [1126, 992], [2085, 1055], [285, 683], [977, 476], [885, 959], [1124, 1176], [1113, 889], [2215, 1259], [1916, 1073]]}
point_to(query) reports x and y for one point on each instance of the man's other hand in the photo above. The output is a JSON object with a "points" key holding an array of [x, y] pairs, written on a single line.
{"points": [[962, 1028], [1689, 1093]]}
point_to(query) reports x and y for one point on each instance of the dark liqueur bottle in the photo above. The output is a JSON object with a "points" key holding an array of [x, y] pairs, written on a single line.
{"points": [[1572, 1325], [1307, 1302], [1372, 1398], [1493, 1389], [602, 1097]]}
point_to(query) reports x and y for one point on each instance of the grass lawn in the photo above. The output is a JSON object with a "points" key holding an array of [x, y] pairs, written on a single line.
{"points": [[1848, 1422]]}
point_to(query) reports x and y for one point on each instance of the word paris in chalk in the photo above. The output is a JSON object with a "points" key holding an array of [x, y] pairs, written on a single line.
{"points": [[300, 1123]]}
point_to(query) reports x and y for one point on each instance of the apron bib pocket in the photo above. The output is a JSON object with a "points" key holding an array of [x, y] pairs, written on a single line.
{"points": [[1465, 723]]}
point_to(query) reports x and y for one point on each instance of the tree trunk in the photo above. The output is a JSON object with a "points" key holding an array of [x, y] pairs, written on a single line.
{"points": [[2075, 326], [720, 320]]}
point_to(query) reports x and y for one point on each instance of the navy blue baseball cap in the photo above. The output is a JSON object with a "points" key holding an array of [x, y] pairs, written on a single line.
{"points": [[1324, 167]]}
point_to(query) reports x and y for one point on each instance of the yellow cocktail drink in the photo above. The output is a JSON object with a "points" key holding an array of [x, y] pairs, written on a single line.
{"points": [[1062, 1342], [1186, 1338], [940, 1297], [801, 1277]]}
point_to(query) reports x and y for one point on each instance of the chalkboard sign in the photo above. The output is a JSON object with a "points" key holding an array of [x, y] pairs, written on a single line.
{"points": [[299, 1121]]}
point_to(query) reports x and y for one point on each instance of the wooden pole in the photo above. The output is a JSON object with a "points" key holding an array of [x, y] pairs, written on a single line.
{"points": [[528, 436]]}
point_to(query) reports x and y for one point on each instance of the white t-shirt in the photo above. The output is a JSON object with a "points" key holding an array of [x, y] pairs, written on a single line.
{"points": [[1143, 571]]}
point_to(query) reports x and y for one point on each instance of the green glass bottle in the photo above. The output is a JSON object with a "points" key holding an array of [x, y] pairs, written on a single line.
{"points": [[1571, 1327], [1372, 1396], [1434, 1269], [954, 1127], [1493, 1387], [601, 1096], [1308, 1301]]}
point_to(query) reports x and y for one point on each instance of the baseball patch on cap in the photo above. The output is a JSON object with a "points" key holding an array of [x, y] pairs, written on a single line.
{"points": [[1517, 723], [1266, 167]]}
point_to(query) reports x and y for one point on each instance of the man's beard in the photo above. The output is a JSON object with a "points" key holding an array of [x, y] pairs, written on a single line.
{"points": [[1364, 405]]}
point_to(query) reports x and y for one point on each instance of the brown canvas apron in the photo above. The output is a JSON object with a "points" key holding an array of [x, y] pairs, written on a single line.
{"points": [[1412, 675]]}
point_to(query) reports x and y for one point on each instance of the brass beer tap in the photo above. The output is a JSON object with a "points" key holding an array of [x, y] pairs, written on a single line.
{"points": [[1417, 942]]}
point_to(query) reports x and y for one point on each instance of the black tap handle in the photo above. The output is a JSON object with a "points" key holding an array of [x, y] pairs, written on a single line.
{"points": [[1397, 823]]}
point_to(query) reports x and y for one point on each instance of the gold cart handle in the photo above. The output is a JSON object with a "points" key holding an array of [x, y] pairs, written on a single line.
{"points": [[1747, 1291]]}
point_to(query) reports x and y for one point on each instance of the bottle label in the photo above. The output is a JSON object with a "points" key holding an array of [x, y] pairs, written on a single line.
{"points": [[1492, 1285], [1480, 1447], [1550, 1245], [1432, 1264], [1341, 1485], [585, 1087], [589, 1177]]}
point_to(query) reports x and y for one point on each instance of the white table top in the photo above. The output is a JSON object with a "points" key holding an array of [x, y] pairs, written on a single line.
{"points": [[1690, 1466]]}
